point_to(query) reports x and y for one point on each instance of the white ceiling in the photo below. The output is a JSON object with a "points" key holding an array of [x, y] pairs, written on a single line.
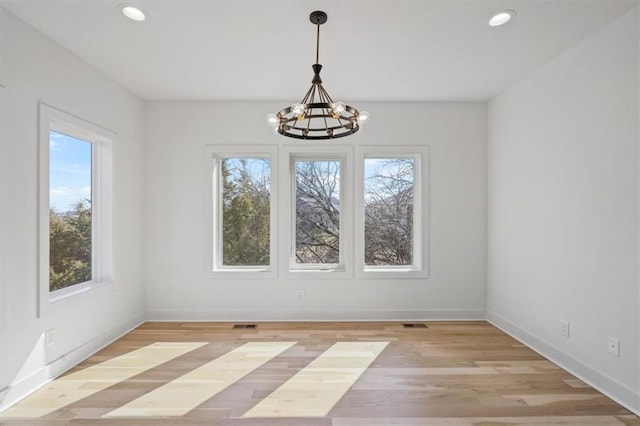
{"points": [[376, 50]]}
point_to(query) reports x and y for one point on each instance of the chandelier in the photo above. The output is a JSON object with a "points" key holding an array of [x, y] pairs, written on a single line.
{"points": [[317, 116]]}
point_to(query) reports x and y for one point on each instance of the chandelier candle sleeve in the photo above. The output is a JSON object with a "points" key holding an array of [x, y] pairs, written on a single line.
{"points": [[317, 116]]}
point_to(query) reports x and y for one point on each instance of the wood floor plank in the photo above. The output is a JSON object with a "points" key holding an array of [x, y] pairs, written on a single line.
{"points": [[484, 421], [539, 400]]}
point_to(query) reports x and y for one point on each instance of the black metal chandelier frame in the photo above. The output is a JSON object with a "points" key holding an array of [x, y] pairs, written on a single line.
{"points": [[317, 116]]}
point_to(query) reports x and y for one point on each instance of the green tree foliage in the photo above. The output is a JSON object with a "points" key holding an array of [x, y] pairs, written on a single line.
{"points": [[70, 246], [246, 210]]}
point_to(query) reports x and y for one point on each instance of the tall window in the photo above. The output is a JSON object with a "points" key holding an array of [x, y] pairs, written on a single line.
{"points": [[75, 204], [391, 215], [245, 211], [242, 187], [317, 211], [318, 226], [388, 211], [70, 218]]}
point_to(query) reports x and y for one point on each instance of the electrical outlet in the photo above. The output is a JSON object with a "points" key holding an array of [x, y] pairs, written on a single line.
{"points": [[614, 346], [49, 338], [565, 327], [300, 293]]}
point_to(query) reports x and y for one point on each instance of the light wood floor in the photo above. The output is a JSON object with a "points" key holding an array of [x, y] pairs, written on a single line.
{"points": [[299, 374]]}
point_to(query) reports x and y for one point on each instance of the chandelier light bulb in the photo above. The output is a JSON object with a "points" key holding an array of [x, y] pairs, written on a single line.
{"points": [[297, 109], [363, 117], [338, 107], [273, 120]]}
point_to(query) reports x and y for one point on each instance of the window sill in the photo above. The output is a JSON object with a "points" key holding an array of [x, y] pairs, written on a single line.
{"points": [[392, 273], [248, 273], [318, 273], [75, 290]]}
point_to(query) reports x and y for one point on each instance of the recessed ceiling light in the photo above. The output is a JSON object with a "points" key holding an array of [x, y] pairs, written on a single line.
{"points": [[132, 13], [501, 18]]}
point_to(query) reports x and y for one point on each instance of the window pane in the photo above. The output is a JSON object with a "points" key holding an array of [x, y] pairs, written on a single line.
{"points": [[317, 211], [69, 211], [246, 211], [388, 200]]}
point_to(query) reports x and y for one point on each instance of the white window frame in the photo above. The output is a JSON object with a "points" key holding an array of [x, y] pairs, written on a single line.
{"points": [[213, 241], [344, 268], [419, 268], [101, 139]]}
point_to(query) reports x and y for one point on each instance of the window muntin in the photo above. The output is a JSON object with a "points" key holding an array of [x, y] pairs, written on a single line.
{"points": [[317, 211], [70, 211], [245, 209], [388, 211]]}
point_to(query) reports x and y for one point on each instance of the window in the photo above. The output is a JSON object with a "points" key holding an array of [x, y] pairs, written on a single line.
{"points": [[70, 212], [388, 211], [245, 211], [319, 222], [243, 201], [75, 200], [317, 211], [392, 226]]}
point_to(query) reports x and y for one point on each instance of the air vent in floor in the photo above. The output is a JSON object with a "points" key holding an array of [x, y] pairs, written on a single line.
{"points": [[245, 326], [414, 325]]}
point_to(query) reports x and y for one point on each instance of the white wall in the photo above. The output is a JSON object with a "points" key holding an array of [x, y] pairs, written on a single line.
{"points": [[174, 235], [563, 194], [34, 69]]}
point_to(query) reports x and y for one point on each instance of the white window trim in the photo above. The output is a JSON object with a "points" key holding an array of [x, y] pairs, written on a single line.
{"points": [[420, 267], [213, 243], [288, 266], [52, 119]]}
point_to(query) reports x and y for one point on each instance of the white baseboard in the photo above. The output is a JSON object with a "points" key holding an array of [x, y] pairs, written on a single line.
{"points": [[34, 381], [318, 315], [619, 392]]}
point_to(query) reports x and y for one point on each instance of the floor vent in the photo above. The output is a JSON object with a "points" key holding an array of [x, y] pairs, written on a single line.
{"points": [[414, 325], [245, 326]]}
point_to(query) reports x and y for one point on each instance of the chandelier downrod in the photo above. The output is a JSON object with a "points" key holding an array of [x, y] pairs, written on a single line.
{"points": [[318, 43]]}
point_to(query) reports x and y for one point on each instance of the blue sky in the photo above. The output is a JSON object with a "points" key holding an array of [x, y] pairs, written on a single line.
{"points": [[388, 167], [259, 169], [69, 171]]}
